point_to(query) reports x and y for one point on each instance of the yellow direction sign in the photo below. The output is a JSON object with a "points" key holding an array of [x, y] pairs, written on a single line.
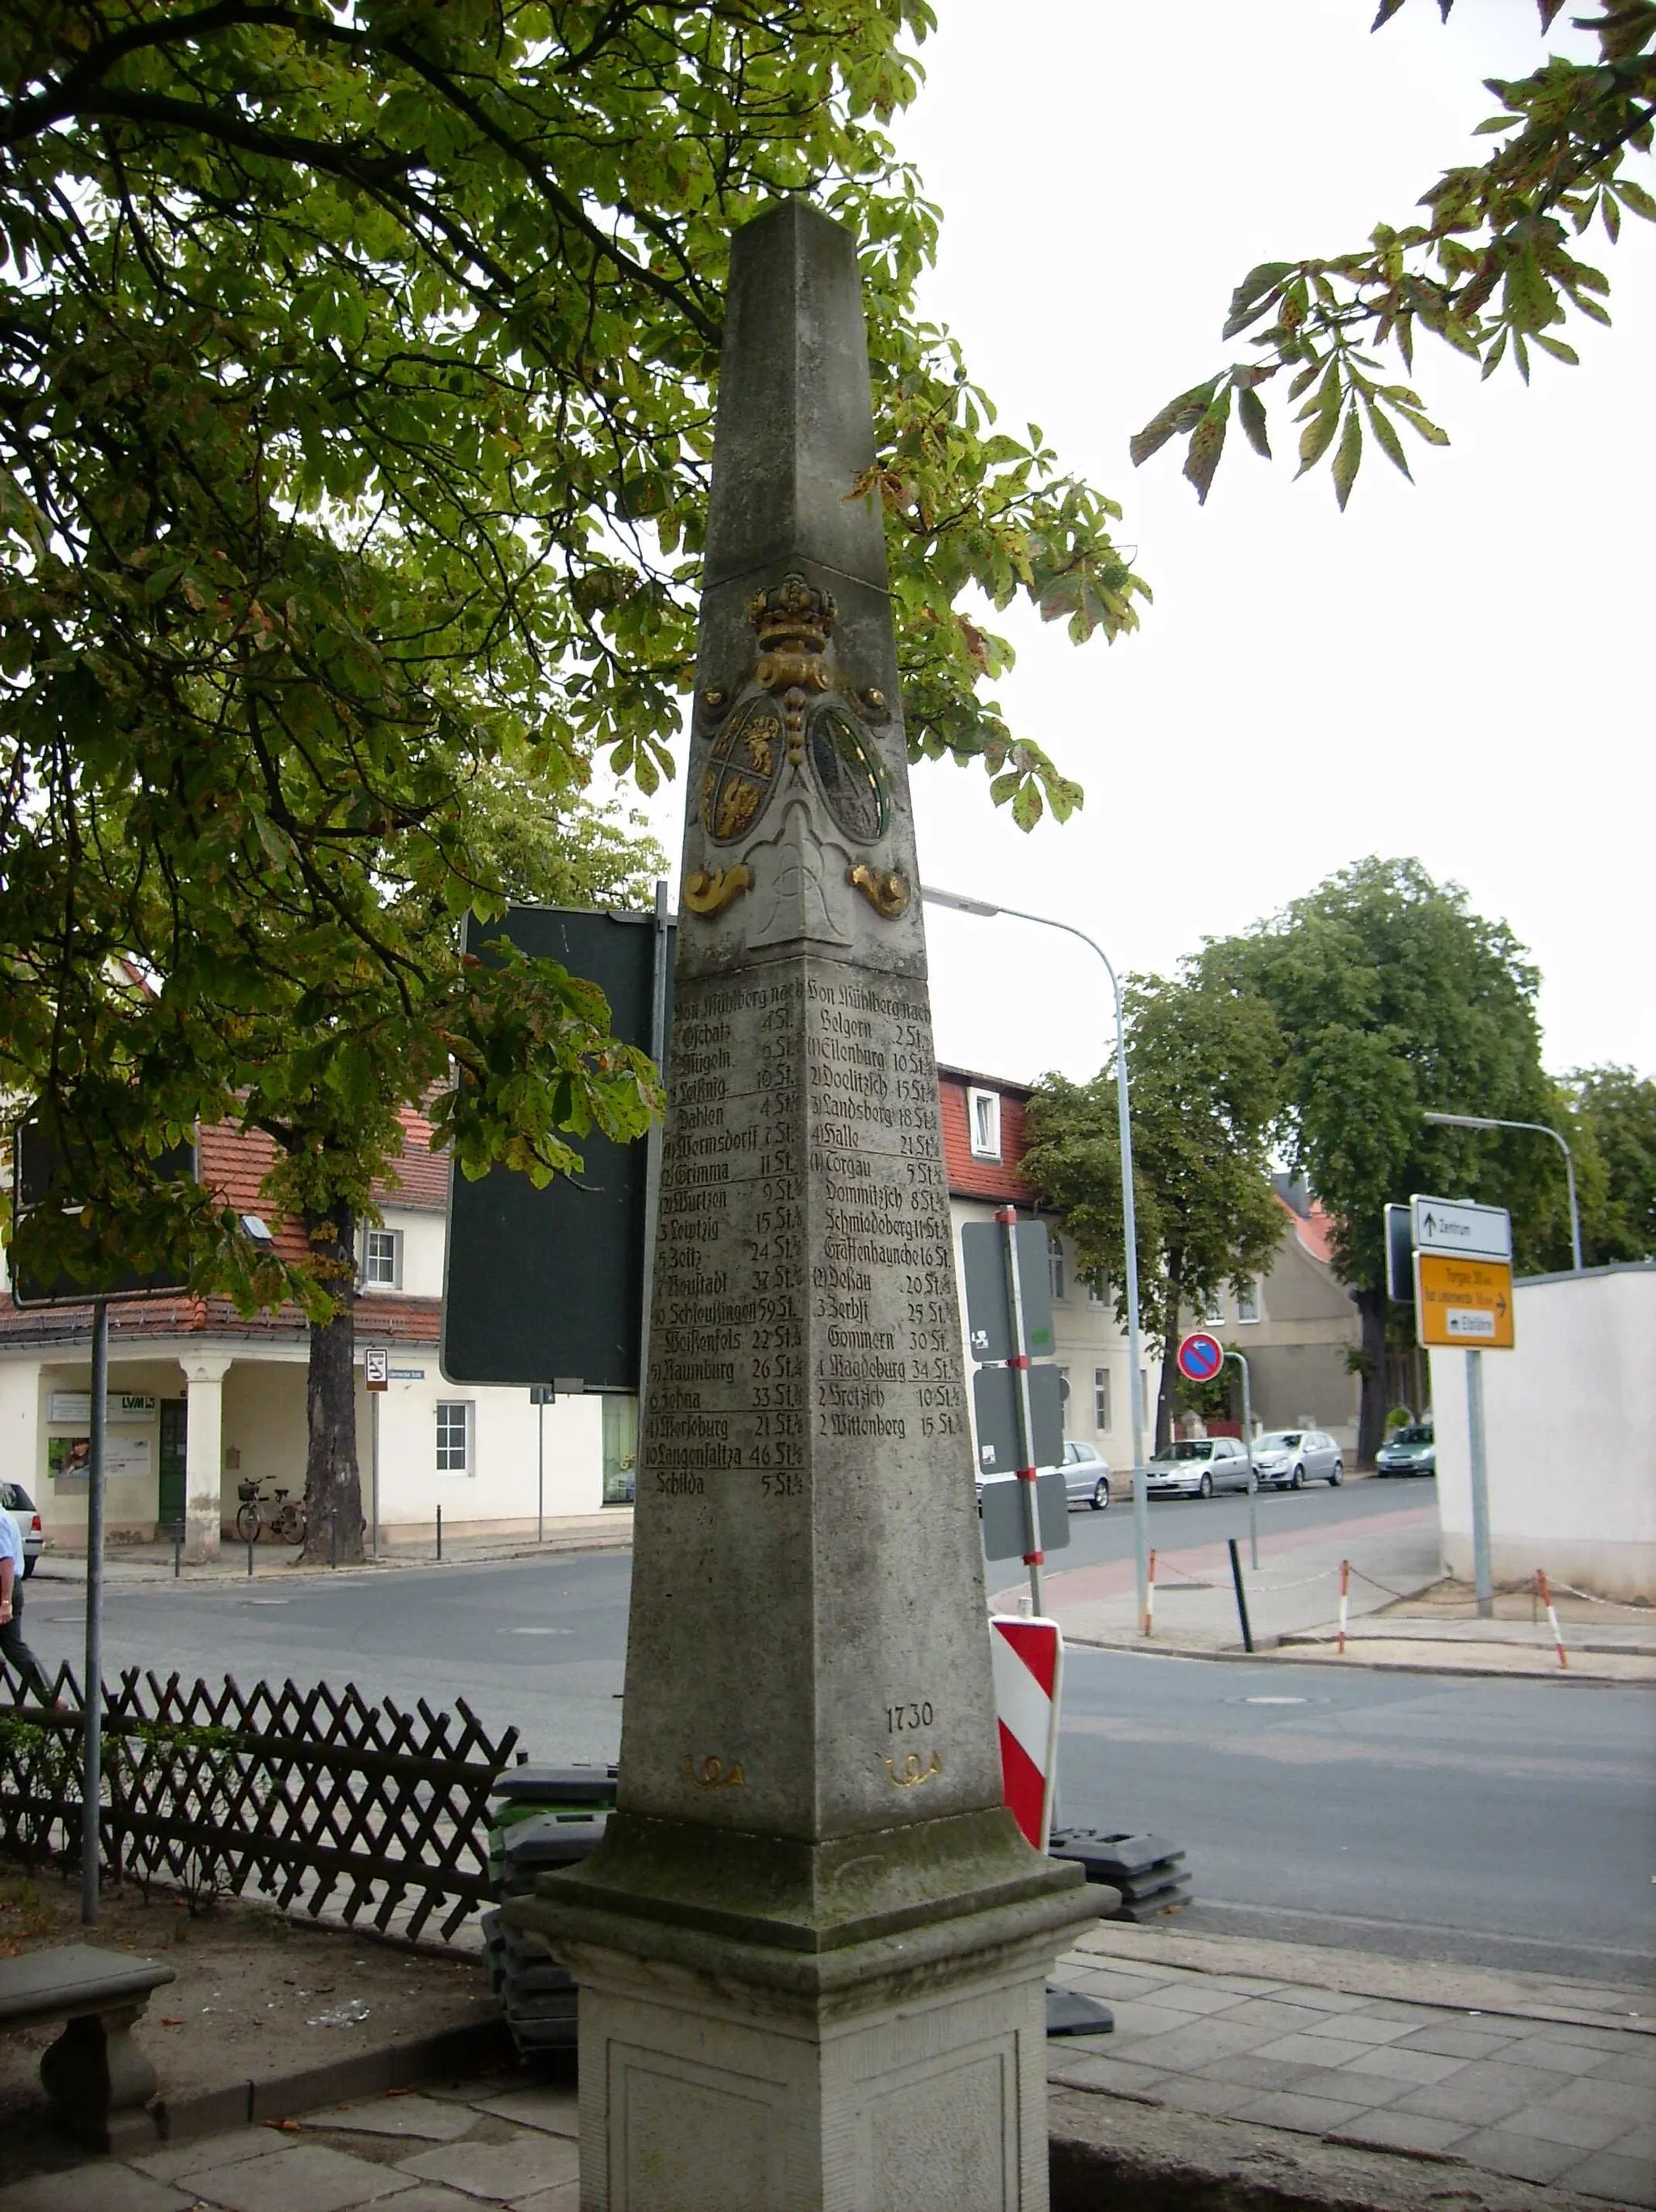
{"points": [[1463, 1305]]}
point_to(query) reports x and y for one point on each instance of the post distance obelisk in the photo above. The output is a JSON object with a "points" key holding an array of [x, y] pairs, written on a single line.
{"points": [[812, 1947]]}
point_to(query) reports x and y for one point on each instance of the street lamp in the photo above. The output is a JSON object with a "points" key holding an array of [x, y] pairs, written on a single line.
{"points": [[983, 908], [1541, 1129]]}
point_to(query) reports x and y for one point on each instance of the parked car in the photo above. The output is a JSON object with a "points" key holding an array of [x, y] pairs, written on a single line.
{"points": [[20, 1506], [1290, 1458], [1086, 1477], [1411, 1451], [1194, 1467]]}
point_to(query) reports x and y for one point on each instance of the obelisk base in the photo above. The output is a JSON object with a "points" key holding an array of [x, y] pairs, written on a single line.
{"points": [[903, 2075]]}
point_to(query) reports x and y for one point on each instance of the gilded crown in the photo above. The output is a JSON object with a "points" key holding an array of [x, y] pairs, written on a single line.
{"points": [[793, 613]]}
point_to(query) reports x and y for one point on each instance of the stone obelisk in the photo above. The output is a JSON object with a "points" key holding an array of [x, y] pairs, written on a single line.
{"points": [[812, 1946]]}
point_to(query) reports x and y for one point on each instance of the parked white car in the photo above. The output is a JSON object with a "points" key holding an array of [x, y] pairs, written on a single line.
{"points": [[1290, 1458], [1194, 1467]]}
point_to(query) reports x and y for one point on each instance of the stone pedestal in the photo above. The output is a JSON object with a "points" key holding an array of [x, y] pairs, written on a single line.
{"points": [[905, 2073], [812, 1945]]}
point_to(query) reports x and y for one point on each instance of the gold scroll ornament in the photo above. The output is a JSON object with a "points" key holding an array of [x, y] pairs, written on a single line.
{"points": [[712, 1773], [914, 1769], [706, 894], [887, 894]]}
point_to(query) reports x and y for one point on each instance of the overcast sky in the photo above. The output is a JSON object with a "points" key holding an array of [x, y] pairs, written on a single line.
{"points": [[1460, 671]]}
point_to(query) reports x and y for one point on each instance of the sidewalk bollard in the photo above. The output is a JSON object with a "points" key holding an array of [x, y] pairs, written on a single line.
{"points": [[250, 1551], [1150, 1596], [333, 1539], [177, 1549], [1241, 1599], [1345, 1587], [1552, 1616], [439, 1532]]}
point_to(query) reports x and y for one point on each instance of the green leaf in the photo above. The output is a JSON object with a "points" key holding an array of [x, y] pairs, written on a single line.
{"points": [[1246, 302], [1251, 411], [1386, 438], [1317, 437], [1161, 427], [1206, 444], [1634, 195], [1558, 350], [1349, 456]]}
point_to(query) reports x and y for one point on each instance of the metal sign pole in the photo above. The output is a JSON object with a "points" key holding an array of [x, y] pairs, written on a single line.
{"points": [[540, 1470], [1033, 1555], [373, 1475], [92, 1691], [1241, 1359], [1482, 1580]]}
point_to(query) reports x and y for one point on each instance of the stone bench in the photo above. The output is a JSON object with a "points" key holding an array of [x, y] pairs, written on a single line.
{"points": [[95, 2075]]}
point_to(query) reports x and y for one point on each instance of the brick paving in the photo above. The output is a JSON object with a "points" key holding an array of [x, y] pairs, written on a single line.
{"points": [[1539, 2100], [1557, 2103]]}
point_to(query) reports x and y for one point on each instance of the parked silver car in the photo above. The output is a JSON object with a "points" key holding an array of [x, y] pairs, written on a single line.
{"points": [[20, 1506], [1290, 1458], [1411, 1451], [1194, 1467], [1085, 1477]]}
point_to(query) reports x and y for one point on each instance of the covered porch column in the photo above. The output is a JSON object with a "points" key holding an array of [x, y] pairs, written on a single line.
{"points": [[204, 1459]]}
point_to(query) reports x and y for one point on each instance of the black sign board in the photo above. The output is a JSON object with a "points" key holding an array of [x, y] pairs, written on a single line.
{"points": [[547, 1286], [44, 1182]]}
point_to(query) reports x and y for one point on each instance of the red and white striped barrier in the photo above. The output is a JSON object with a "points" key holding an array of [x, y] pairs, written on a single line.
{"points": [[1028, 1656], [1345, 1598], [1150, 1597], [1552, 1616]]}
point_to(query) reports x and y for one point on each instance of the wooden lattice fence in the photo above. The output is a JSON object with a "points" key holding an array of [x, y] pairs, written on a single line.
{"points": [[312, 1798]]}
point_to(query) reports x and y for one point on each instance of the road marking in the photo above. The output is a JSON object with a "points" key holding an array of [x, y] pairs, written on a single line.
{"points": [[536, 1631], [1277, 1701]]}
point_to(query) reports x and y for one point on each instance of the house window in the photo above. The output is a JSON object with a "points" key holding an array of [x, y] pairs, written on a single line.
{"points": [[1101, 1399], [1055, 1264], [1063, 1399], [1211, 1313], [1097, 1288], [453, 1436], [1247, 1300], [983, 1123], [383, 1259]]}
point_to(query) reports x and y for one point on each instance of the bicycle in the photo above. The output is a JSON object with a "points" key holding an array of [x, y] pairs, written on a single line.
{"points": [[282, 1515]]}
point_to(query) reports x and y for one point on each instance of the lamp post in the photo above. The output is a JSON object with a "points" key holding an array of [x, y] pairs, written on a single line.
{"points": [[1541, 1129], [988, 911]]}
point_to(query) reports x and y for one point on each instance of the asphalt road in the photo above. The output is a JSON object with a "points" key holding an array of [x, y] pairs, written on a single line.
{"points": [[1175, 1523], [1496, 1822]]}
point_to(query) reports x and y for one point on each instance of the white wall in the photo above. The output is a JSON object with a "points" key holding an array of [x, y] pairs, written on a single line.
{"points": [[1570, 1436], [501, 1486]]}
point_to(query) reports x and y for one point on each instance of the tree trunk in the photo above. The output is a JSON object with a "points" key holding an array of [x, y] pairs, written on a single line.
{"points": [[1371, 1403], [333, 1488], [1168, 1389]]}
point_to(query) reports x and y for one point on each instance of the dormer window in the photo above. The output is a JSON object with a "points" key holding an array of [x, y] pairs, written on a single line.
{"points": [[983, 1123]]}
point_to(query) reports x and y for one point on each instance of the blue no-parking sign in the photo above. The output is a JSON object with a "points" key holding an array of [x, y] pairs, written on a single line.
{"points": [[1200, 1357]]}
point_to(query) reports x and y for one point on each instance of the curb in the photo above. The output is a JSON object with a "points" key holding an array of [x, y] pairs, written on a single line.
{"points": [[156, 1574], [473, 2047], [1277, 1647]]}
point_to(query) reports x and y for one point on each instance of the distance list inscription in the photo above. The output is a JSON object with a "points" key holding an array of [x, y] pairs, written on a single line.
{"points": [[804, 1277]]}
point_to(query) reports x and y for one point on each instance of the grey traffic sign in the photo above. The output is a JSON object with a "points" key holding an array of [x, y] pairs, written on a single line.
{"points": [[995, 1407], [1455, 1224], [1003, 1515], [988, 1300]]}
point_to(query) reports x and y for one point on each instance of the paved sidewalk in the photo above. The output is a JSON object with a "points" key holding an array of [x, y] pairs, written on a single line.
{"points": [[503, 2142], [1296, 1585], [1547, 2082], [609, 1531], [1476, 2074]]}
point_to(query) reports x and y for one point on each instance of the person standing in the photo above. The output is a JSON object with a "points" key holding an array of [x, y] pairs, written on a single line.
{"points": [[21, 1660]]}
